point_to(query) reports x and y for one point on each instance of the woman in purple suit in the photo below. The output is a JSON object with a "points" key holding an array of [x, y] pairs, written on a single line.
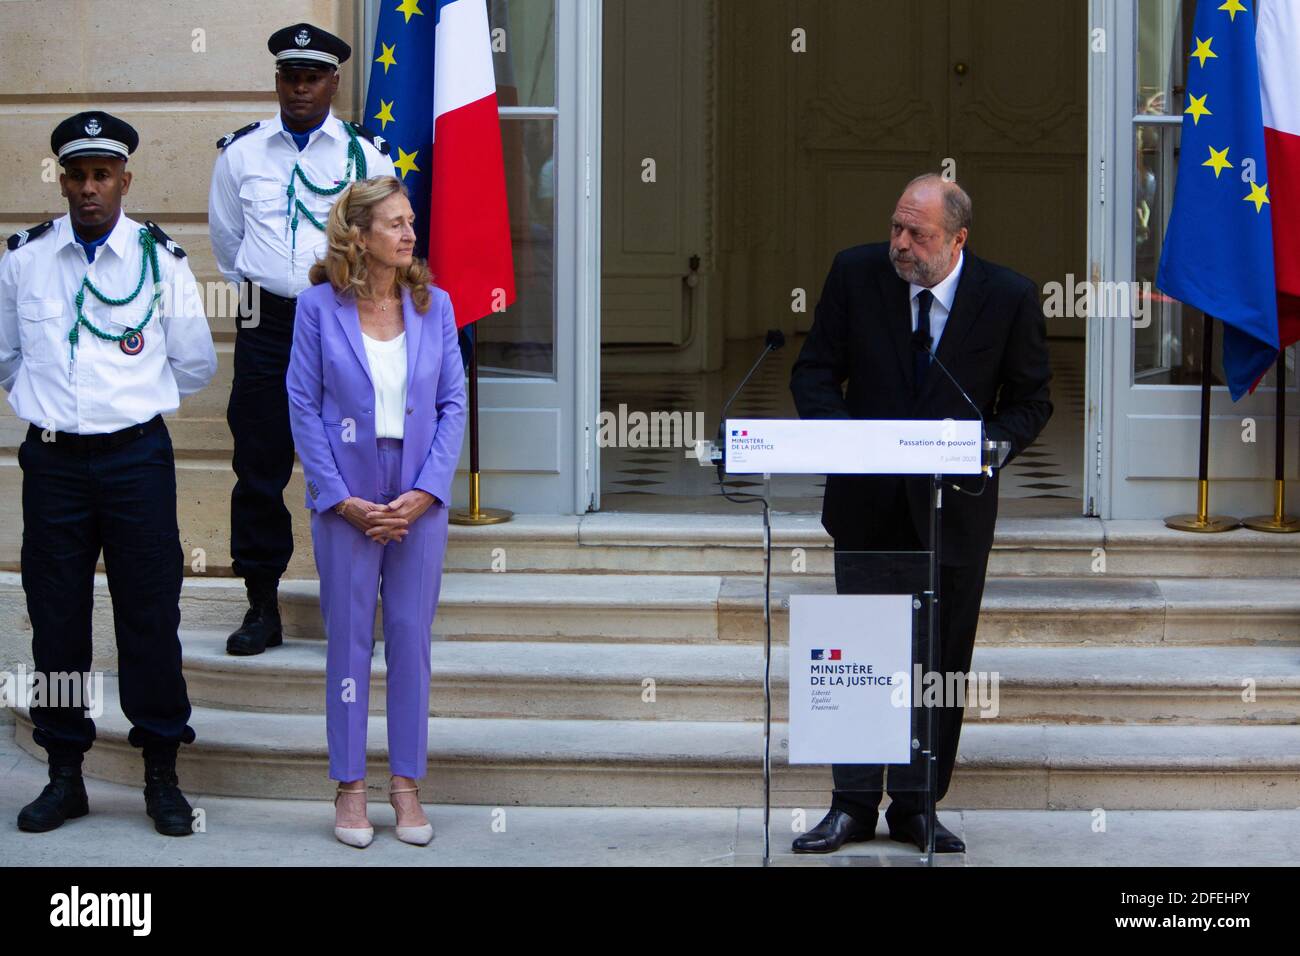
{"points": [[377, 406]]}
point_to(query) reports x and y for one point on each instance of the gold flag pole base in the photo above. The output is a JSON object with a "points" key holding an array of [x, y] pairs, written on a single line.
{"points": [[1202, 522], [1278, 522], [474, 515]]}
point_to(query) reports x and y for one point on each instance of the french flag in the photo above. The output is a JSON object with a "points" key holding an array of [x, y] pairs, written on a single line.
{"points": [[432, 95], [1277, 43], [469, 225]]}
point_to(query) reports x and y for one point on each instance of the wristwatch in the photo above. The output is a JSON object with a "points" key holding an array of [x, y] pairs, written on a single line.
{"points": [[338, 508]]}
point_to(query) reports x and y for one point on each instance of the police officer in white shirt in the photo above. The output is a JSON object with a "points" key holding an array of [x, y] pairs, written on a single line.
{"points": [[101, 331], [272, 188]]}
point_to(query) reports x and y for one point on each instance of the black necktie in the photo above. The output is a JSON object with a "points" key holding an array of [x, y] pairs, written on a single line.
{"points": [[921, 358]]}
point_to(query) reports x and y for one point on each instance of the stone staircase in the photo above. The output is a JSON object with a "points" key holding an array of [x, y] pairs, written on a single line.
{"points": [[1138, 668], [1117, 689]]}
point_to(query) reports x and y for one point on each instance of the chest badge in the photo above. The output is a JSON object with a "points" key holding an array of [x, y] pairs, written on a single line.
{"points": [[133, 344]]}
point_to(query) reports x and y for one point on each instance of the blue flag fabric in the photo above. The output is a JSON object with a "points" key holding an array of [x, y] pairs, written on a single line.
{"points": [[399, 98], [1218, 251]]}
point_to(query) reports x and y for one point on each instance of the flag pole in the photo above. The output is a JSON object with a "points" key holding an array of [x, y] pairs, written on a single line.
{"points": [[1203, 521], [1279, 522], [475, 514]]}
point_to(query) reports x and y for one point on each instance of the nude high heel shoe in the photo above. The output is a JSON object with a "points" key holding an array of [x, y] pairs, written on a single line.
{"points": [[419, 836], [359, 837]]}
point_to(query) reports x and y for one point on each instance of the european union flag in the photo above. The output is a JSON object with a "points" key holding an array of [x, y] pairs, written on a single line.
{"points": [[1218, 252], [399, 99]]}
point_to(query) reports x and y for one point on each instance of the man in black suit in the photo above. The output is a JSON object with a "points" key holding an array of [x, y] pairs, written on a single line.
{"points": [[882, 306]]}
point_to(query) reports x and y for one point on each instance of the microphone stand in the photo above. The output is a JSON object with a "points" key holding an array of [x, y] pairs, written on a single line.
{"points": [[775, 340]]}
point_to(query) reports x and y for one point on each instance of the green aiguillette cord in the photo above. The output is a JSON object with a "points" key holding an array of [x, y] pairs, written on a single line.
{"points": [[356, 169], [148, 262]]}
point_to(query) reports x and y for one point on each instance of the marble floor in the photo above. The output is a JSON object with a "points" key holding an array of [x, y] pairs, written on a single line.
{"points": [[1046, 479]]}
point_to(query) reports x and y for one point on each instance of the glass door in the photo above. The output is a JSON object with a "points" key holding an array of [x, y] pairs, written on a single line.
{"points": [[538, 359], [1145, 350]]}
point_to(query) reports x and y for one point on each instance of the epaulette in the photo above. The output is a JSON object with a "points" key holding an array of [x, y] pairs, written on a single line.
{"points": [[375, 139], [164, 240], [231, 137], [24, 236]]}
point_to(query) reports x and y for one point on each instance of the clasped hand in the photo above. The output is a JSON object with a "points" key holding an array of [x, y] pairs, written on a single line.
{"points": [[387, 522]]}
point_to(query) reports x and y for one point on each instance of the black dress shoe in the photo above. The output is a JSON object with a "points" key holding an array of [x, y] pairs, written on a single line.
{"points": [[836, 829], [64, 798], [261, 627], [911, 829], [163, 801]]}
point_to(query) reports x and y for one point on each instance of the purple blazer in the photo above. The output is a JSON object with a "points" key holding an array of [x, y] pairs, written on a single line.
{"points": [[330, 387]]}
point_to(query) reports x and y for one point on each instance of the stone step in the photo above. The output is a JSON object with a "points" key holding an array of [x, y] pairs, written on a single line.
{"points": [[711, 609], [490, 761], [704, 544], [515, 680], [203, 488], [650, 608]]}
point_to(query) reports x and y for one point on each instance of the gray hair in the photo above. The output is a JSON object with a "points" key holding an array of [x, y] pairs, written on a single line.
{"points": [[957, 213]]}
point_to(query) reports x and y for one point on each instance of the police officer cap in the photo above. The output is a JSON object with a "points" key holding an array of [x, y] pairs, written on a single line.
{"points": [[304, 45], [93, 133]]}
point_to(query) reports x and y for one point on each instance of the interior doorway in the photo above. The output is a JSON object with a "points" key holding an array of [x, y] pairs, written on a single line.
{"points": [[746, 141]]}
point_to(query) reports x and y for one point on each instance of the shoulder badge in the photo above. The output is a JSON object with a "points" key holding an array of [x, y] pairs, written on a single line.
{"points": [[164, 240], [374, 138], [24, 236], [231, 137]]}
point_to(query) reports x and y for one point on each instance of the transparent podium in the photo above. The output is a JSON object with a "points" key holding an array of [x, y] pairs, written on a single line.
{"points": [[854, 696]]}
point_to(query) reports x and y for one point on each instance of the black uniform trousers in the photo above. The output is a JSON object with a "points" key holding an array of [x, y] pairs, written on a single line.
{"points": [[261, 530], [117, 493], [961, 589]]}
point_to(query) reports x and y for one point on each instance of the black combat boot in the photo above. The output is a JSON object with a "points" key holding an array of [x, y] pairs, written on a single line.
{"points": [[261, 627], [64, 798], [171, 812]]}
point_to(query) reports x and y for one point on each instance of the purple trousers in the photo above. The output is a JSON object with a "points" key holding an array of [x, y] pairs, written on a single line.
{"points": [[355, 572]]}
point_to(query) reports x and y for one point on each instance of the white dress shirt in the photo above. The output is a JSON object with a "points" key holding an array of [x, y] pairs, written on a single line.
{"points": [[102, 388], [248, 204], [387, 360], [941, 307]]}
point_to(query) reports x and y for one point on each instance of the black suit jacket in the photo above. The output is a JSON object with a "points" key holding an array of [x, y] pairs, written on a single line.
{"points": [[995, 345]]}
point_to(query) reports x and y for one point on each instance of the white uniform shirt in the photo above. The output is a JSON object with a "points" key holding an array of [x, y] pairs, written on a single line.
{"points": [[387, 361], [108, 389], [248, 204], [944, 292]]}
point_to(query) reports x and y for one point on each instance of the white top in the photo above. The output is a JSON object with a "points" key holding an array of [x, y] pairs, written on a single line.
{"points": [[944, 292], [387, 362], [108, 388], [248, 203]]}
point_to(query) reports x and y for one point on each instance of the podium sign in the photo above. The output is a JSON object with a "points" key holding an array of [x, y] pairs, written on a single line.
{"points": [[850, 693], [757, 446]]}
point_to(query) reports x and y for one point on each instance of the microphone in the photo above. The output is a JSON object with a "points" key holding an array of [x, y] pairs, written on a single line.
{"points": [[922, 344], [774, 340]]}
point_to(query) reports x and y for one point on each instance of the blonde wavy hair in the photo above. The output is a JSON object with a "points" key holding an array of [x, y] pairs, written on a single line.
{"points": [[344, 264]]}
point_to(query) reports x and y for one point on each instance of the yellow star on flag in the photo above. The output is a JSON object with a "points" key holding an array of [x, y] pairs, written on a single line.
{"points": [[410, 8], [387, 57], [1203, 51], [1232, 8], [406, 162], [385, 114], [1197, 109], [1258, 195], [1218, 160]]}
